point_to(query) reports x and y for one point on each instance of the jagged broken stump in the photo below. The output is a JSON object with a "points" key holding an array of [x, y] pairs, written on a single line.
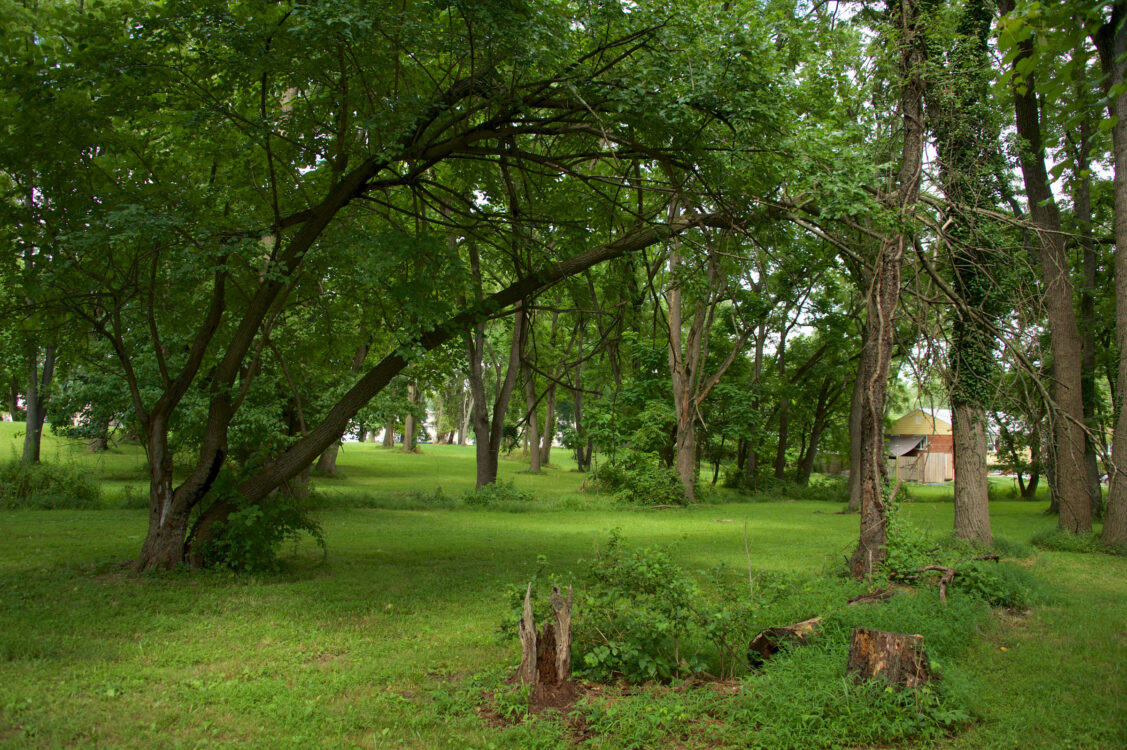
{"points": [[545, 662], [898, 658]]}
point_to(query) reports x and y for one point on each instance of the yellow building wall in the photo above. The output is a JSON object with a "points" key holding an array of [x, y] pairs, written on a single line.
{"points": [[919, 422]]}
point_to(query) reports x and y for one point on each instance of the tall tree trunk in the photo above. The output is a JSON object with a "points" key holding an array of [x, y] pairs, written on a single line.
{"points": [[410, 426], [1112, 44], [39, 377], [827, 396], [784, 408], [1069, 475], [959, 114], [489, 432], [972, 510], [389, 433], [884, 295], [14, 399], [751, 465]]}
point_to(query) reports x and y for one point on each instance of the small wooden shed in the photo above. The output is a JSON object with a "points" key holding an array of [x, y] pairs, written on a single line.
{"points": [[921, 447]]}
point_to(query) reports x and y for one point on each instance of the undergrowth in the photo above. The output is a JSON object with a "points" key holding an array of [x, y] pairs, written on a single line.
{"points": [[642, 619], [44, 486], [1059, 540]]}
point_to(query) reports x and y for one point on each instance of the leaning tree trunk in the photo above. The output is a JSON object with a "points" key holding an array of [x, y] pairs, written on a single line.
{"points": [[884, 295], [1068, 434]]}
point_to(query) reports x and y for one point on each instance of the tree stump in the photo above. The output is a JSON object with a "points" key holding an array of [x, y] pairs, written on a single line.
{"points": [[898, 658], [768, 642], [546, 654]]}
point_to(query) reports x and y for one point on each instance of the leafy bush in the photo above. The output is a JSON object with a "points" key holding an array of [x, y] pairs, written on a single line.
{"points": [[47, 487], [252, 535], [637, 477], [910, 549], [639, 617], [497, 493]]}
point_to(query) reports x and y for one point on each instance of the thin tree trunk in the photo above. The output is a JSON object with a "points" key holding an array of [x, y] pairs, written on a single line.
{"points": [[38, 394], [784, 408], [410, 426], [855, 406], [884, 295], [532, 421], [549, 426]]}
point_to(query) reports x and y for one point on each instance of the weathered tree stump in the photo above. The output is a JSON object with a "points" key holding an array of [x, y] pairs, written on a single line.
{"points": [[768, 642], [898, 658], [546, 654]]}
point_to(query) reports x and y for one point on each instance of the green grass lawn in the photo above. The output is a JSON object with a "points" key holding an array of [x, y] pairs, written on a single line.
{"points": [[389, 640]]}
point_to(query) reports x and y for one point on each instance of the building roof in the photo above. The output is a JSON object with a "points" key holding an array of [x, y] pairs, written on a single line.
{"points": [[943, 415]]}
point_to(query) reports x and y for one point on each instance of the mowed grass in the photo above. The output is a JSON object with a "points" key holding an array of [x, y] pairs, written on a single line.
{"points": [[386, 642]]}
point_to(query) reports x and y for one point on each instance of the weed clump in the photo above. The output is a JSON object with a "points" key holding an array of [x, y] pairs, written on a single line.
{"points": [[1059, 540], [640, 478], [47, 487], [497, 493]]}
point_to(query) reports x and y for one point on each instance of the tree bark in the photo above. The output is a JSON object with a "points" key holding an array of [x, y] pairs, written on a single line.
{"points": [[549, 425], [899, 659], [884, 296], [410, 426], [784, 407], [532, 420], [972, 509], [1068, 434], [327, 463], [1112, 44], [38, 393]]}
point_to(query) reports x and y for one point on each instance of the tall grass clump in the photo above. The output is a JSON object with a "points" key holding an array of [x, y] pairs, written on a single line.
{"points": [[47, 487]]}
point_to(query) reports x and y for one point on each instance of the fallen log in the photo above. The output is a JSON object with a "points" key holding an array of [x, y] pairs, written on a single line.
{"points": [[898, 658], [873, 597], [768, 642]]}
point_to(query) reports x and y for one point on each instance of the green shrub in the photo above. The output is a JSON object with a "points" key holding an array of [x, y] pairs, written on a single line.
{"points": [[47, 487], [496, 493], [639, 478], [639, 617], [1000, 584], [252, 535]]}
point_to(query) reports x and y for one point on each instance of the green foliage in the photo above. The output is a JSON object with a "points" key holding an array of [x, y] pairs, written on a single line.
{"points": [[1000, 584], [497, 493], [46, 486], [638, 477], [1059, 540], [254, 533], [640, 616]]}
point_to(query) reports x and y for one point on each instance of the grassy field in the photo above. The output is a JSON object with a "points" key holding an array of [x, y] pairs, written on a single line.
{"points": [[391, 639]]}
